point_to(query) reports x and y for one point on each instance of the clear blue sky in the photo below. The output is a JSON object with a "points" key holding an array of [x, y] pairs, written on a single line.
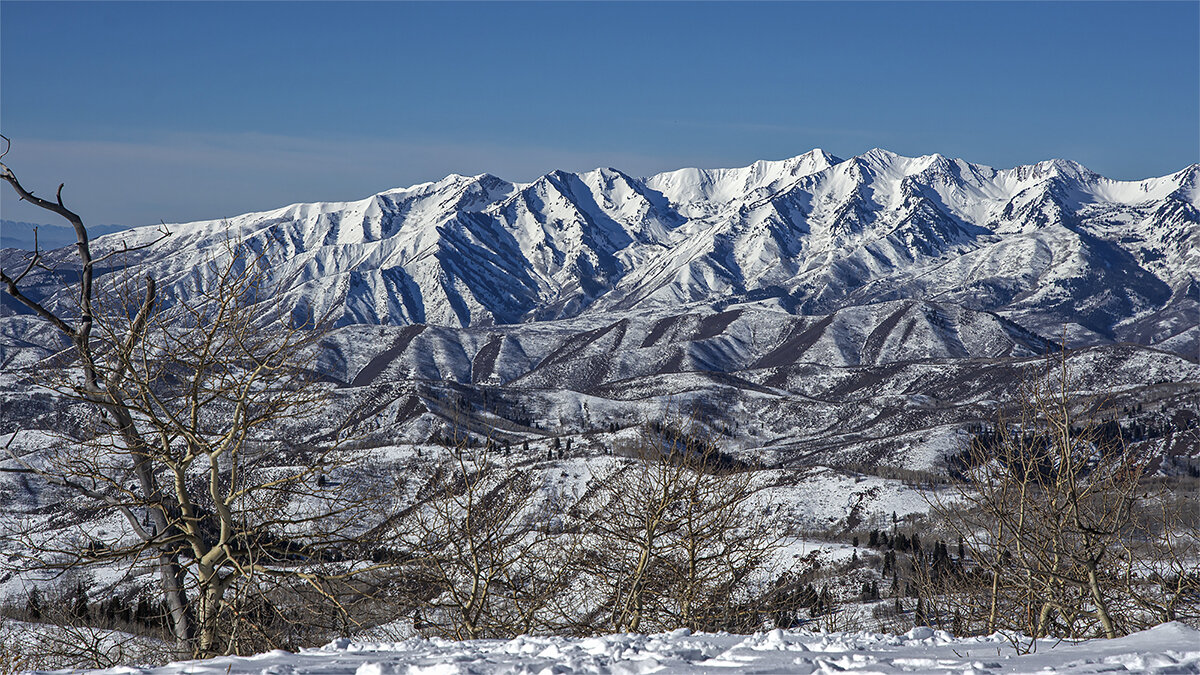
{"points": [[181, 111]]}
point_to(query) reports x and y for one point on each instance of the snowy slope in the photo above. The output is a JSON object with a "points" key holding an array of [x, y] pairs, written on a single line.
{"points": [[1169, 648]]}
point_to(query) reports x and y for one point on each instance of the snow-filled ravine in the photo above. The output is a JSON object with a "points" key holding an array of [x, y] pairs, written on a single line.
{"points": [[1169, 648]]}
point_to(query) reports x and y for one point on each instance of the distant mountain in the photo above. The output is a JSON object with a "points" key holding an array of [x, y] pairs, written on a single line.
{"points": [[1047, 246], [17, 234], [812, 309]]}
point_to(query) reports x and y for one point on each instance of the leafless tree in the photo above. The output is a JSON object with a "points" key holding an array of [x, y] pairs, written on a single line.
{"points": [[1064, 530], [196, 403], [665, 539], [62, 636], [677, 542], [480, 555]]}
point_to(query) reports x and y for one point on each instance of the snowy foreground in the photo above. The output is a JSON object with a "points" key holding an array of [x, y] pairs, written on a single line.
{"points": [[1169, 648]]}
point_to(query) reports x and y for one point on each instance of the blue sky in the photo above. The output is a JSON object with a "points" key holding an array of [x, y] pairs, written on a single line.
{"points": [[181, 111]]}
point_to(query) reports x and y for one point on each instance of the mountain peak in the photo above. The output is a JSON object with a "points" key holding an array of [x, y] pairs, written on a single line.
{"points": [[880, 154], [1067, 168], [817, 158], [813, 229]]}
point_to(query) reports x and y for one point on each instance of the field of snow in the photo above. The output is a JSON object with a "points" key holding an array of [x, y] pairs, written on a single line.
{"points": [[1169, 648]]}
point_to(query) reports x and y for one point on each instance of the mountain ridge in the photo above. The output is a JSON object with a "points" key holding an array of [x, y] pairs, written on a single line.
{"points": [[1044, 245], [810, 310]]}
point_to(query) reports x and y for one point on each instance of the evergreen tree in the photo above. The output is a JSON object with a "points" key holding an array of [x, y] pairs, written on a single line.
{"points": [[145, 611], [79, 602], [33, 606]]}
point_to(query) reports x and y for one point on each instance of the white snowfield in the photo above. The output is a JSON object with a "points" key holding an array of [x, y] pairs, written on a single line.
{"points": [[1169, 648]]}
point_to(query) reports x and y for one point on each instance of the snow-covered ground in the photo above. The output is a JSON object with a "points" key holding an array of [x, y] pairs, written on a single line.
{"points": [[1169, 648]]}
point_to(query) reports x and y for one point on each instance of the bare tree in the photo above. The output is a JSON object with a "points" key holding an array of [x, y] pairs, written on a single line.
{"points": [[721, 543], [61, 635], [675, 539], [196, 405], [482, 557], [1064, 532]]}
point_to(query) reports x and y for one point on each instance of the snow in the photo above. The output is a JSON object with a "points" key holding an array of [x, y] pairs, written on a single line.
{"points": [[1169, 648], [827, 233], [605, 298]]}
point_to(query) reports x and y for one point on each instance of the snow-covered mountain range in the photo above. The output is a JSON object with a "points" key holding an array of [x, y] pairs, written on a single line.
{"points": [[1048, 246], [843, 326], [812, 308]]}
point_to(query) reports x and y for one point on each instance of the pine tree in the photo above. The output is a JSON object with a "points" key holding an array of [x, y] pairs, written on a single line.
{"points": [[33, 606], [145, 611], [79, 602]]}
